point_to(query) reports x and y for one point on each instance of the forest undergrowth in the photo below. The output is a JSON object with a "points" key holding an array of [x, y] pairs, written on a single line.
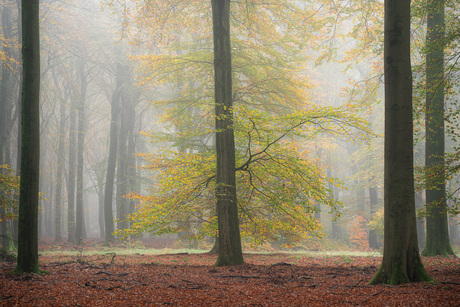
{"points": [[95, 276]]}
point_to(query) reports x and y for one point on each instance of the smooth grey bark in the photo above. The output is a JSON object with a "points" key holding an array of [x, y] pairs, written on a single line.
{"points": [[230, 251], [112, 160], [437, 226], [100, 198], [132, 165], [373, 202], [5, 112], [80, 227], [18, 153], [421, 236], [30, 140], [335, 226], [122, 155], [60, 161], [71, 173], [401, 261]]}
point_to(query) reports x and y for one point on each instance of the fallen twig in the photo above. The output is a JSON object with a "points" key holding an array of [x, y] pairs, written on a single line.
{"points": [[112, 274], [241, 276]]}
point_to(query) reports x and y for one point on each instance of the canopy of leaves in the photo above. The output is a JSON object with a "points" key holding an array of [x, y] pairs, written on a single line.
{"points": [[279, 183]]}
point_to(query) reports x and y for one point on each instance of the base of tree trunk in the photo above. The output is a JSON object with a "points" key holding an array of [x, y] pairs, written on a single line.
{"points": [[444, 251], [400, 275], [228, 261], [215, 249]]}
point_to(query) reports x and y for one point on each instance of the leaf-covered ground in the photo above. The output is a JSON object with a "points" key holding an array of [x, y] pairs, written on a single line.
{"points": [[83, 279]]}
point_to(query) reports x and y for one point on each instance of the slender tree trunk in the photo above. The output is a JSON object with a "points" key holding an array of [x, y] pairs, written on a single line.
{"points": [[131, 159], [30, 144], [71, 175], [122, 156], [100, 197], [419, 204], [60, 165], [401, 260], [373, 201], [437, 227], [230, 251], [19, 102], [335, 226], [5, 111], [80, 229], [112, 160]]}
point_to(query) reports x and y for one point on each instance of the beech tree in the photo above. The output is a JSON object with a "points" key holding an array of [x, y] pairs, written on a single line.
{"points": [[112, 158], [80, 229], [230, 251], [401, 260], [7, 86], [30, 140], [437, 228]]}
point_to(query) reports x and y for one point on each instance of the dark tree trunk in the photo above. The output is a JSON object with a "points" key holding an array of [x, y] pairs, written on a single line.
{"points": [[437, 227], [30, 140], [401, 260], [230, 251]]}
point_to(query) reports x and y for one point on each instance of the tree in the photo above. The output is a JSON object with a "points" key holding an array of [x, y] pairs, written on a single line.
{"points": [[230, 251], [72, 172], [6, 99], [401, 260], [112, 159], [437, 228], [60, 160], [30, 140], [80, 229], [277, 183]]}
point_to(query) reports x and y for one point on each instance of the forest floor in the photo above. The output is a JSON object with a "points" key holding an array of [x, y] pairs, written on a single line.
{"points": [[105, 278]]}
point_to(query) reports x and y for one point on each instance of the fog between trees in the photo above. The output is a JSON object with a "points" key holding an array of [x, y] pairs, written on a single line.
{"points": [[127, 121]]}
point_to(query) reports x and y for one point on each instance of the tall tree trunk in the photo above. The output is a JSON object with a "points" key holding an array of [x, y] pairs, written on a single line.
{"points": [[401, 260], [335, 226], [230, 251], [122, 156], [131, 159], [19, 102], [437, 227], [112, 160], [5, 112], [60, 164], [80, 229], [71, 174], [100, 198], [419, 204], [30, 140], [373, 201]]}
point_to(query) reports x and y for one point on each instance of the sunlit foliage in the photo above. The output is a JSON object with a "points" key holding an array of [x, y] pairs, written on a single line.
{"points": [[9, 193], [278, 179]]}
